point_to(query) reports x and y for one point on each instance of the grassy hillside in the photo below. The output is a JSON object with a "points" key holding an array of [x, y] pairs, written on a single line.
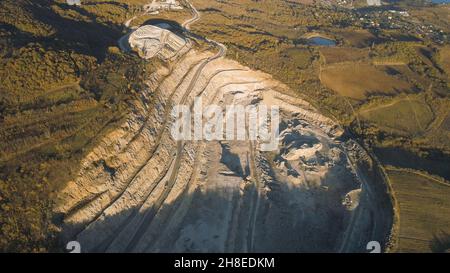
{"points": [[345, 79], [409, 115], [63, 86]]}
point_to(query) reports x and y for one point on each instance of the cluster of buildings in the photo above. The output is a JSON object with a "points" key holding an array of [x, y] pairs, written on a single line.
{"points": [[372, 3], [387, 18], [398, 20], [74, 2], [159, 5]]}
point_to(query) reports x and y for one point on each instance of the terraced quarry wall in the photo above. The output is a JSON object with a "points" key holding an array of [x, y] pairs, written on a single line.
{"points": [[140, 190]]}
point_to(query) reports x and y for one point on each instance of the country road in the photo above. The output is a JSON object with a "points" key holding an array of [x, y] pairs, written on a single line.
{"points": [[186, 25]]}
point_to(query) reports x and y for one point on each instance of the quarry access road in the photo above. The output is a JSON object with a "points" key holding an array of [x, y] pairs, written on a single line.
{"points": [[192, 84], [160, 205], [187, 24], [174, 170]]}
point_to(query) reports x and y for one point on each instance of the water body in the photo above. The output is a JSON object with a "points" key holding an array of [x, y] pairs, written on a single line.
{"points": [[321, 41], [440, 1], [163, 23]]}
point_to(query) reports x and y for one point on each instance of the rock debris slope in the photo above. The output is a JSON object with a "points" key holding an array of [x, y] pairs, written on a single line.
{"points": [[140, 190]]}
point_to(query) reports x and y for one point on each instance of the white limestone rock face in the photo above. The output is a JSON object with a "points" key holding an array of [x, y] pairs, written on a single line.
{"points": [[374, 3], [152, 41], [140, 190]]}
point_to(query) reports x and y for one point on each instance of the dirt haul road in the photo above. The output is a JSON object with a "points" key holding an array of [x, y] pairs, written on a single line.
{"points": [[140, 190]]}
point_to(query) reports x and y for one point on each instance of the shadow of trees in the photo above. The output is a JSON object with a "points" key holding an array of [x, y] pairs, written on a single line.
{"points": [[440, 242], [85, 37]]}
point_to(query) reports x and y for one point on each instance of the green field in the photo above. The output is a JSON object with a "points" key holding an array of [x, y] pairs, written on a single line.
{"points": [[404, 116]]}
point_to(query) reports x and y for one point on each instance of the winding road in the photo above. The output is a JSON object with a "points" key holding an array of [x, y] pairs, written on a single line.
{"points": [[148, 210], [174, 168]]}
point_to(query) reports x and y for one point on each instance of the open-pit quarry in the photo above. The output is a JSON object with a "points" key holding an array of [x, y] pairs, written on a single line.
{"points": [[140, 190]]}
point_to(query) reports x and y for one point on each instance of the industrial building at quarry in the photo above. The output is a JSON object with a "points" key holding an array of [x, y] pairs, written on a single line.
{"points": [[151, 41]]}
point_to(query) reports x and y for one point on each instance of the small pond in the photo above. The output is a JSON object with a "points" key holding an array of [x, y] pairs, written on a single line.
{"points": [[320, 41], [163, 23]]}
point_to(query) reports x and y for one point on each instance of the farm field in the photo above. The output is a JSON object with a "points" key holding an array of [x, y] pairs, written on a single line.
{"points": [[358, 81], [400, 115], [333, 55], [424, 212]]}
